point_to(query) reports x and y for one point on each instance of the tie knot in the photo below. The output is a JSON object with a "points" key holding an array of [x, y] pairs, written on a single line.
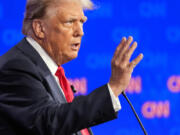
{"points": [[60, 72]]}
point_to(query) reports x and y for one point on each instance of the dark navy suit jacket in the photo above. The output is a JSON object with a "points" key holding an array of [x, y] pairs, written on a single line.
{"points": [[31, 102]]}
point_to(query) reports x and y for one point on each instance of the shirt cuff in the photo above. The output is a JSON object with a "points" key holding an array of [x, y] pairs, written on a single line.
{"points": [[115, 100]]}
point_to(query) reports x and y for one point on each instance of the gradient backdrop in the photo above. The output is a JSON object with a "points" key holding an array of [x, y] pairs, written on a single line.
{"points": [[155, 85]]}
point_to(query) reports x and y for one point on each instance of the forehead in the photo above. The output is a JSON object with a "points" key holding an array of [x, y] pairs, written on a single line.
{"points": [[68, 8]]}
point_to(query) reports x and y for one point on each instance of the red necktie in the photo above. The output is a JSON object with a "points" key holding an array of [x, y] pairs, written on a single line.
{"points": [[67, 91]]}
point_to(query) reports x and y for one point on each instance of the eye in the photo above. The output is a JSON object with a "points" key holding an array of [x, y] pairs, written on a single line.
{"points": [[83, 21], [69, 22]]}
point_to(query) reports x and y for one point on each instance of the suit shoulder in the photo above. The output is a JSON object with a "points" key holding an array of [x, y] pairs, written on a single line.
{"points": [[14, 60]]}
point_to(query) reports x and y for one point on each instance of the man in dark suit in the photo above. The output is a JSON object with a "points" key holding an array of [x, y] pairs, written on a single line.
{"points": [[32, 98]]}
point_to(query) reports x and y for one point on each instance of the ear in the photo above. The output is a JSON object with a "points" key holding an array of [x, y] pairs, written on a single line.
{"points": [[38, 28]]}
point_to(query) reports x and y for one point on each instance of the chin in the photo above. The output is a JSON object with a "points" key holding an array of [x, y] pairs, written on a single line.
{"points": [[74, 56], [69, 58]]}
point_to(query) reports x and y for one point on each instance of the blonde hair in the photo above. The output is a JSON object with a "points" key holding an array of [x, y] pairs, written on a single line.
{"points": [[36, 9]]}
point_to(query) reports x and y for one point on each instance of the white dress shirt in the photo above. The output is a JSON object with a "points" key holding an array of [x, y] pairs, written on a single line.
{"points": [[53, 68]]}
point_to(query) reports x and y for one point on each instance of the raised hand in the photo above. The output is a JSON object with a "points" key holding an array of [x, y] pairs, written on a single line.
{"points": [[121, 66]]}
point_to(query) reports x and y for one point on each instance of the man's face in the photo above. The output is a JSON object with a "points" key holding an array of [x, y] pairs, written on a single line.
{"points": [[64, 31]]}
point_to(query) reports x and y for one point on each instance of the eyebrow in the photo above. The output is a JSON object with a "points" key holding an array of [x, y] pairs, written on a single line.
{"points": [[84, 18]]}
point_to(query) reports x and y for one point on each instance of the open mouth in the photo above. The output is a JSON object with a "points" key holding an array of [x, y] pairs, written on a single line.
{"points": [[75, 46]]}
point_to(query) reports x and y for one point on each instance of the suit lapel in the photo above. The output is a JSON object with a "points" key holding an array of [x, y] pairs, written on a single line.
{"points": [[56, 91], [50, 81]]}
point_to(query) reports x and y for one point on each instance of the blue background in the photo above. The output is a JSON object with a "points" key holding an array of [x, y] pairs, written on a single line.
{"points": [[154, 24]]}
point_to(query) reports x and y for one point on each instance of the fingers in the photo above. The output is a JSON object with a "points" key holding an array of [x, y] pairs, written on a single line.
{"points": [[136, 61], [118, 49], [124, 52], [125, 47], [128, 42], [130, 51]]}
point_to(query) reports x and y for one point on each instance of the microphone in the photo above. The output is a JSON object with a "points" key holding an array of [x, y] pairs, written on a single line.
{"points": [[124, 94], [73, 89]]}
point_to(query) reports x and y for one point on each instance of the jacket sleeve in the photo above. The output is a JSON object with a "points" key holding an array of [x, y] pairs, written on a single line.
{"points": [[25, 102]]}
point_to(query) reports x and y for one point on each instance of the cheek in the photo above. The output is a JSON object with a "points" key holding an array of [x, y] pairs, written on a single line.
{"points": [[61, 39], [63, 36], [64, 40], [61, 44]]}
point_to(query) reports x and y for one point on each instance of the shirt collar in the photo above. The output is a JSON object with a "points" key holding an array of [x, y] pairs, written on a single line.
{"points": [[46, 58]]}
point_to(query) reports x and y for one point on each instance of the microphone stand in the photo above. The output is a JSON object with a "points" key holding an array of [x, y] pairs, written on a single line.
{"points": [[124, 94]]}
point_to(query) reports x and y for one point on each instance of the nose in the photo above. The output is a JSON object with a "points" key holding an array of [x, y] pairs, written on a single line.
{"points": [[78, 29]]}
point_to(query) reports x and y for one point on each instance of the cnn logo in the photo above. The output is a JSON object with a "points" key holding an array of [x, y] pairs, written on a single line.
{"points": [[173, 84], [152, 109], [135, 85]]}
